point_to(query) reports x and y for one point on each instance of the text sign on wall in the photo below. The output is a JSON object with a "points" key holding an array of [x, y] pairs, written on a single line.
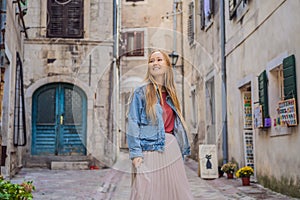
{"points": [[287, 112], [258, 117]]}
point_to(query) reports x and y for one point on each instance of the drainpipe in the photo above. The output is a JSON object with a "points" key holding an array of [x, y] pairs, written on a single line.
{"points": [[224, 86], [174, 25], [116, 81]]}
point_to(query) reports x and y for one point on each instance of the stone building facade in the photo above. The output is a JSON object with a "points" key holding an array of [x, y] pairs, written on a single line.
{"points": [[257, 56], [69, 78], [203, 70], [13, 33]]}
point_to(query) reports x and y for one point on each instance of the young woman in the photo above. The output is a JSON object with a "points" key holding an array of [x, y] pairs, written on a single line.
{"points": [[157, 137]]}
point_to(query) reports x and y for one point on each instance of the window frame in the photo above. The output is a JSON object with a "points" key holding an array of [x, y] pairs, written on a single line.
{"points": [[206, 20], [138, 49]]}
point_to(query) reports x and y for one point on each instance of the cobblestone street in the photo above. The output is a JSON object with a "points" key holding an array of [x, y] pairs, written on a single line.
{"points": [[114, 184]]}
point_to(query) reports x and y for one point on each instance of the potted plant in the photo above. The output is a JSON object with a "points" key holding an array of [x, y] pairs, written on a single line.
{"points": [[245, 173], [16, 191], [229, 168]]}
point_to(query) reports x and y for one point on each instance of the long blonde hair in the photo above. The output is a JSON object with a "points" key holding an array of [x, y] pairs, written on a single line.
{"points": [[153, 86]]}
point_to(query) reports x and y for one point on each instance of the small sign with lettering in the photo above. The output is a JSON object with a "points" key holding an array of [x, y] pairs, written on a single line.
{"points": [[258, 117]]}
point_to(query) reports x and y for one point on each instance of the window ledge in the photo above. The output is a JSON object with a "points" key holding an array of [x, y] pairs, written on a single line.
{"points": [[66, 41], [208, 26], [281, 131]]}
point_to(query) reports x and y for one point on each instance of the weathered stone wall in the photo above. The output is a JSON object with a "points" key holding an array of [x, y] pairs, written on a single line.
{"points": [[84, 62]]}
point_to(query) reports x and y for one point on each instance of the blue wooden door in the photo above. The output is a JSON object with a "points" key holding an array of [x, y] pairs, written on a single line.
{"points": [[59, 120]]}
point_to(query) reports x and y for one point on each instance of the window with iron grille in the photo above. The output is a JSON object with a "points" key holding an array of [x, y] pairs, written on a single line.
{"points": [[133, 43], [65, 18], [191, 27], [206, 13]]}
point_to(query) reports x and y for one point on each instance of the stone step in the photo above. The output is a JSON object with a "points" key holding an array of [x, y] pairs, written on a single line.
{"points": [[69, 165]]}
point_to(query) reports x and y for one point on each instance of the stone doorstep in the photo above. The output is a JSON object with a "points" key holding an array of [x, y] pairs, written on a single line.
{"points": [[69, 165]]}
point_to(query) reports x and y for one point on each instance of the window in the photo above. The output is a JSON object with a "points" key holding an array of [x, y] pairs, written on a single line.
{"points": [[206, 13], [237, 8], [65, 18], [191, 27], [133, 43], [282, 78]]}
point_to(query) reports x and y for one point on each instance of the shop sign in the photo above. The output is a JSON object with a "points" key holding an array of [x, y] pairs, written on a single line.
{"points": [[287, 112]]}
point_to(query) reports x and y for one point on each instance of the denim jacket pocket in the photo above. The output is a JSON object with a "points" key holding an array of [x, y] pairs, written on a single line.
{"points": [[149, 132]]}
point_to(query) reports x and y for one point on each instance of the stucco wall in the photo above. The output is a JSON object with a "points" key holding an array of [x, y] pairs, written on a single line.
{"points": [[267, 35]]}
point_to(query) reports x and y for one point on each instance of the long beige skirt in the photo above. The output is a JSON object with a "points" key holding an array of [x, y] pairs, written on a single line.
{"points": [[162, 175]]}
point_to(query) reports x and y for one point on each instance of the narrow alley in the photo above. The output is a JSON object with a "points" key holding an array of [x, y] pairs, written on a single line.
{"points": [[114, 184]]}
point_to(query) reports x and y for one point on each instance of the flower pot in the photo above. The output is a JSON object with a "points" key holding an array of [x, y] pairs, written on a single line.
{"points": [[246, 181], [229, 175]]}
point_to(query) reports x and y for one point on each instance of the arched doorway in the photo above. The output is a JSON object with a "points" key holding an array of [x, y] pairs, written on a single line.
{"points": [[59, 120]]}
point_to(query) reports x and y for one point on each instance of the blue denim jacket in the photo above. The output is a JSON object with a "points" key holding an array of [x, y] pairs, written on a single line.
{"points": [[143, 135]]}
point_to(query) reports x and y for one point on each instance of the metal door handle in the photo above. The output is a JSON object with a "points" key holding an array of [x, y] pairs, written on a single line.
{"points": [[61, 119]]}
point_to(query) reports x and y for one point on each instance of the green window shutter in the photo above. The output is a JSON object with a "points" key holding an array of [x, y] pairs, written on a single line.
{"points": [[289, 77], [263, 93]]}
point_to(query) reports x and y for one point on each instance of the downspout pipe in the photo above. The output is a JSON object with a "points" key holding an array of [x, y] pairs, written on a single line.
{"points": [[115, 80], [174, 26], [115, 29], [224, 86]]}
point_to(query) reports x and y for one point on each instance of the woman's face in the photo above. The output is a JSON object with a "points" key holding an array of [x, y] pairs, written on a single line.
{"points": [[157, 65]]}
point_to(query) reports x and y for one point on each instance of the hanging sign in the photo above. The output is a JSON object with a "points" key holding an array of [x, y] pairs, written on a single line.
{"points": [[287, 112], [258, 117]]}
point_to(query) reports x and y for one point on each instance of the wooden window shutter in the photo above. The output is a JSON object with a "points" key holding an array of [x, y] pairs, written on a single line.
{"points": [[289, 77], [211, 7], [232, 8], [65, 19], [263, 93], [139, 44], [55, 20], [202, 15], [123, 44], [75, 19], [191, 24]]}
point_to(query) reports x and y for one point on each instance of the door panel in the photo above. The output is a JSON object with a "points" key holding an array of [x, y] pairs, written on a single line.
{"points": [[59, 120], [72, 126]]}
